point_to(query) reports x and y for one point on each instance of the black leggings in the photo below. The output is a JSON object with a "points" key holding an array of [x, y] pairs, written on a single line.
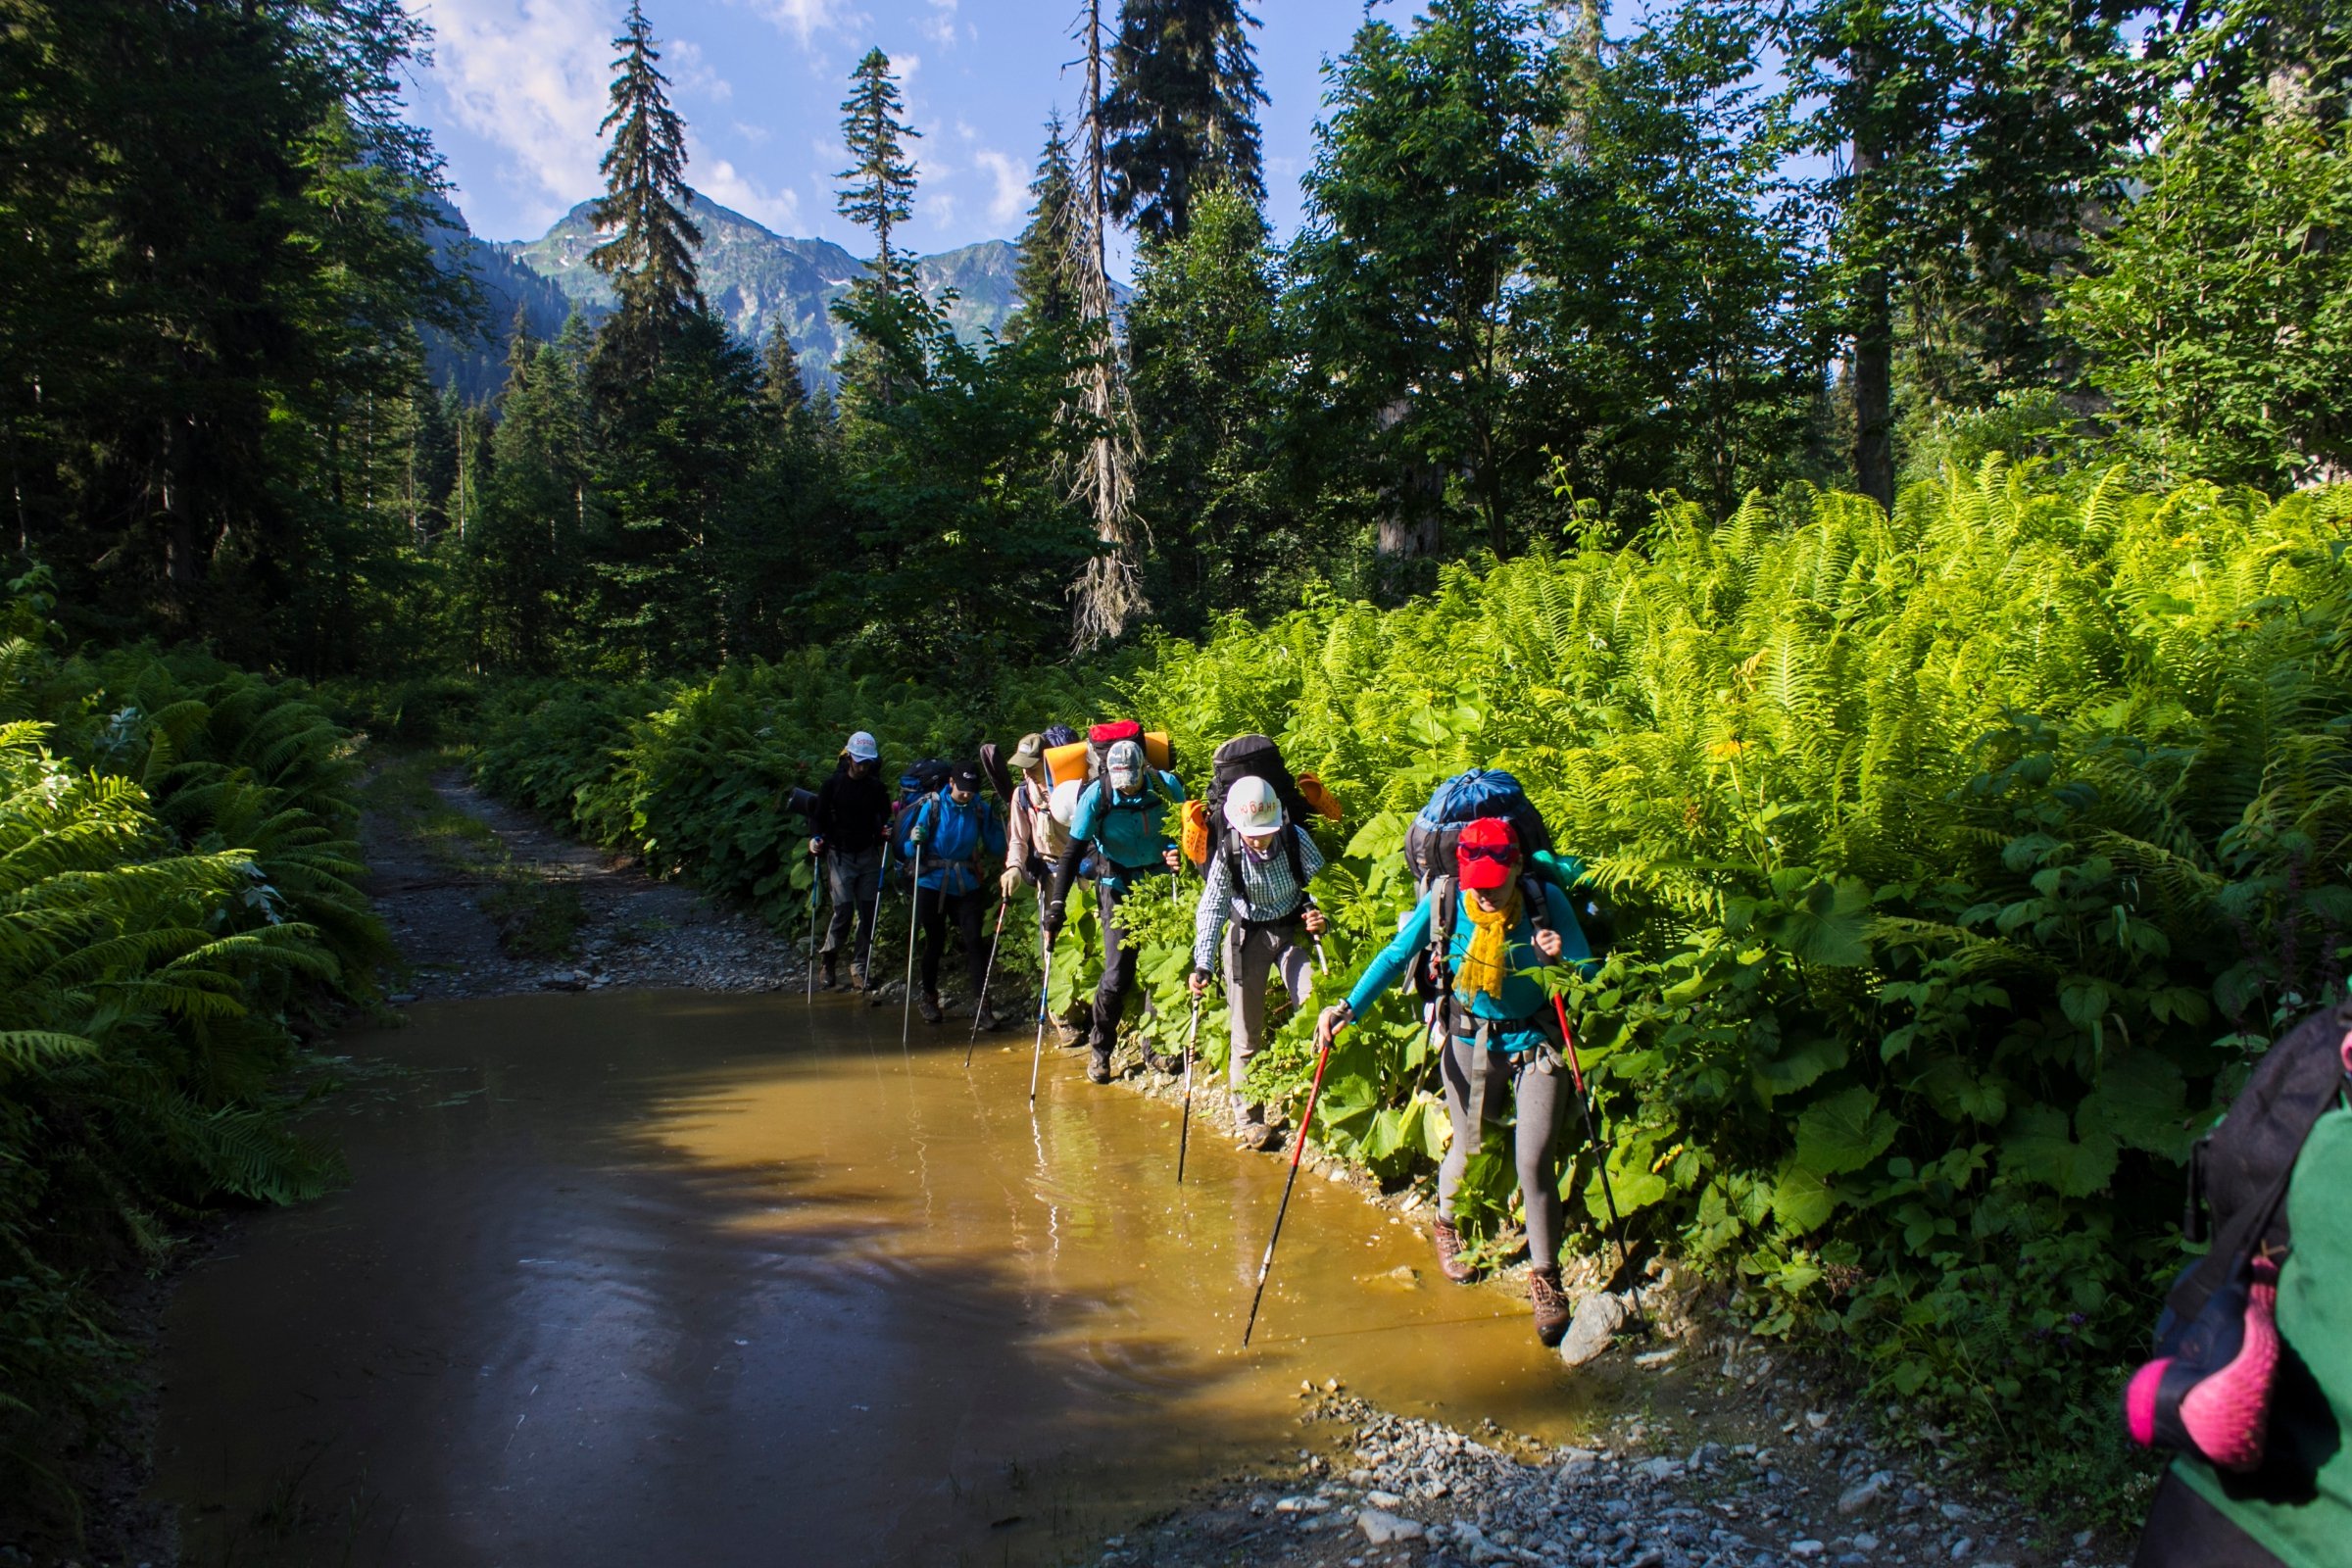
{"points": [[932, 912], [2185, 1531]]}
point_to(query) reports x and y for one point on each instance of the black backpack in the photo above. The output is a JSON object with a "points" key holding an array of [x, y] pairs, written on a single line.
{"points": [[1253, 757], [926, 777], [2237, 1182]]}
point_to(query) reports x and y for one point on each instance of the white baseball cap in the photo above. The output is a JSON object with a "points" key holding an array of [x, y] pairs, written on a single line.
{"points": [[861, 748], [1252, 807]]}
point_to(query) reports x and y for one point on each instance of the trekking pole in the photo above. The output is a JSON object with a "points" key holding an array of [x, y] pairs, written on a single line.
{"points": [[873, 928], [1601, 1155], [915, 905], [1184, 1128], [1045, 989], [1265, 1265], [986, 975], [1322, 966], [816, 866]]}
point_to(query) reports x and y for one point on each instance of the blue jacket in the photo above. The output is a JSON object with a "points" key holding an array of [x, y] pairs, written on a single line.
{"points": [[1522, 1000], [1129, 832], [957, 839]]}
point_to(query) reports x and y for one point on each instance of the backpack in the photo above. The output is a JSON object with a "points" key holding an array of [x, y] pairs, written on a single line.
{"points": [[2208, 1390], [1087, 759], [1252, 757], [926, 777], [1430, 843]]}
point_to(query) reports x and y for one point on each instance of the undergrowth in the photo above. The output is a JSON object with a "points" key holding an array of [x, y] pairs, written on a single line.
{"points": [[1966, 860]]}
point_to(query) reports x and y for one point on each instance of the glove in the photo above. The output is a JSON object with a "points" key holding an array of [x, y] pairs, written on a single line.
{"points": [[918, 835], [1050, 920], [1011, 881]]}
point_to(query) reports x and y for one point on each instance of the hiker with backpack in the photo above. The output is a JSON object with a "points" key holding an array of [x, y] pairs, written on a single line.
{"points": [[956, 830], [1487, 922], [1256, 907], [1034, 841], [851, 820], [1120, 831], [2252, 1383]]}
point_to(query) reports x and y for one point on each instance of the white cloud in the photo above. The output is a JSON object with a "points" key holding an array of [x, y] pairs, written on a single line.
{"points": [[691, 69], [1012, 186], [940, 25], [805, 18], [529, 77], [729, 187], [757, 135]]}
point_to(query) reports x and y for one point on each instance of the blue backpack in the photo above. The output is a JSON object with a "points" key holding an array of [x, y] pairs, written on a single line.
{"points": [[1428, 843]]}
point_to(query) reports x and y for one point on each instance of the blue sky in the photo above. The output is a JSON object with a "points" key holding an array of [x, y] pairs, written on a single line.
{"points": [[518, 87]]}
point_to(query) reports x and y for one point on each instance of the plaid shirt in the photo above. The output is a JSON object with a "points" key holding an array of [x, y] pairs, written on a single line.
{"points": [[1267, 893]]}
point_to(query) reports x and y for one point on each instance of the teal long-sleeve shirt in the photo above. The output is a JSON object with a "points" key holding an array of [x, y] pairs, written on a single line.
{"points": [[1128, 832], [1522, 997]]}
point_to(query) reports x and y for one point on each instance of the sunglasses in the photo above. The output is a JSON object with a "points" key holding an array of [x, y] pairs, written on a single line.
{"points": [[1501, 854]]}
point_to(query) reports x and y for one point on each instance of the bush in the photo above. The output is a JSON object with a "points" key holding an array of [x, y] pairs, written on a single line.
{"points": [[177, 885], [1966, 859]]}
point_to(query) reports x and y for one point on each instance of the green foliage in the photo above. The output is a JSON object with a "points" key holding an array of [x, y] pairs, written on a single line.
{"points": [[177, 882]]}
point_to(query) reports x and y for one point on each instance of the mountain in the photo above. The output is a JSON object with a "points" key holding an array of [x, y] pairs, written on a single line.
{"points": [[478, 364], [754, 277]]}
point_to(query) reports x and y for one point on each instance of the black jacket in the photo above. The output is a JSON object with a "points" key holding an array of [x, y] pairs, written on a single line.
{"points": [[853, 815]]}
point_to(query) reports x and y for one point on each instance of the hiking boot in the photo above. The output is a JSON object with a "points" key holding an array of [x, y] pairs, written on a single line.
{"points": [[986, 1019], [1161, 1061], [1550, 1304], [824, 977], [1250, 1129], [1098, 1068], [857, 980], [1451, 1262], [928, 1006], [1066, 1036]]}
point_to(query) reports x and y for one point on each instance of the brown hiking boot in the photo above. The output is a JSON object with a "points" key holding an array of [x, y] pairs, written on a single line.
{"points": [[1098, 1068], [1161, 1061], [928, 1006], [1550, 1304], [1065, 1036], [1451, 1262], [1250, 1129]]}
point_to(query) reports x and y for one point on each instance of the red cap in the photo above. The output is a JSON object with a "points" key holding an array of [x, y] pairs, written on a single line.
{"points": [[1487, 853]]}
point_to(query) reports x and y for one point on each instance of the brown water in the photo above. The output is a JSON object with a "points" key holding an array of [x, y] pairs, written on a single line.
{"points": [[663, 1277]]}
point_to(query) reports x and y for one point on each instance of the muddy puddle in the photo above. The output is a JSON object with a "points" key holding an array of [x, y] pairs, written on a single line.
{"points": [[673, 1278]]}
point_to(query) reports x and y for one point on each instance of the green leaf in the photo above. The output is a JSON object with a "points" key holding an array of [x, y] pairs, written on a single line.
{"points": [[1804, 1200], [1798, 1068], [1842, 1133], [2036, 1148], [2140, 1102], [1830, 925]]}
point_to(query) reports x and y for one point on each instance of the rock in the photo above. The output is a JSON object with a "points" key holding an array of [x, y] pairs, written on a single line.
{"points": [[1650, 1360], [1652, 1557], [1597, 1320], [1954, 1511], [1816, 1419], [1962, 1548], [1383, 1499], [1578, 1469], [1704, 1455], [1860, 1495], [1806, 1549], [1658, 1469], [2084, 1538], [1866, 1542], [1381, 1527], [401, 998]]}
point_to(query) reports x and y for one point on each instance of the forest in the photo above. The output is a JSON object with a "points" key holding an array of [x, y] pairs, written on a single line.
{"points": [[1875, 470]]}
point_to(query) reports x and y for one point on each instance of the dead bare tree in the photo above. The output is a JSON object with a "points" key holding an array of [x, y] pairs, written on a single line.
{"points": [[1108, 595]]}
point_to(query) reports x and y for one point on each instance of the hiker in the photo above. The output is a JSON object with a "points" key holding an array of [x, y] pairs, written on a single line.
{"points": [[2281, 1209], [957, 833], [1257, 878], [1120, 824], [852, 819], [1501, 1038], [1033, 841]]}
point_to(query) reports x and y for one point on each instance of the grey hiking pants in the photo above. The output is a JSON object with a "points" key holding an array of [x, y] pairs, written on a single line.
{"points": [[1251, 952], [853, 880], [1533, 1081]]}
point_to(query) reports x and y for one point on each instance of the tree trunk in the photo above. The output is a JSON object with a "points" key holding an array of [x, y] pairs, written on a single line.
{"points": [[1873, 311]]}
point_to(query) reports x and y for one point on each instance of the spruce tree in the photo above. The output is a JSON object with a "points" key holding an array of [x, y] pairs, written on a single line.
{"points": [[1182, 112], [650, 257], [781, 390], [878, 192], [1049, 246]]}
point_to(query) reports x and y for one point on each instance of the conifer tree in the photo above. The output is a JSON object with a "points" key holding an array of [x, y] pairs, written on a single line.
{"points": [[1049, 246], [879, 189], [650, 257], [1109, 594], [1182, 112], [781, 389]]}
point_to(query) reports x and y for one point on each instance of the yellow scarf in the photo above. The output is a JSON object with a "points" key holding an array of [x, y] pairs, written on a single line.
{"points": [[1488, 963]]}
